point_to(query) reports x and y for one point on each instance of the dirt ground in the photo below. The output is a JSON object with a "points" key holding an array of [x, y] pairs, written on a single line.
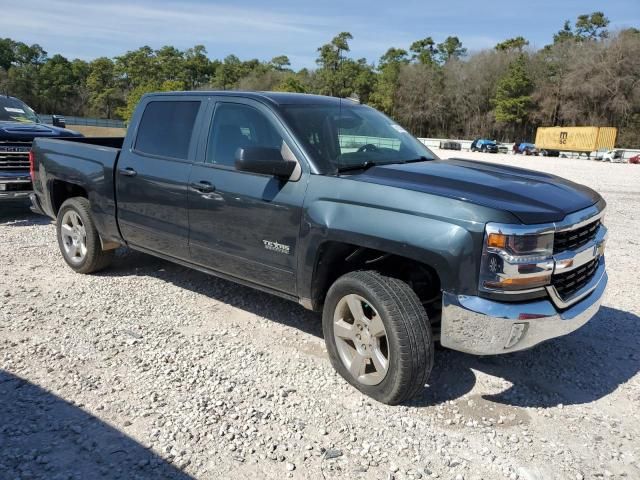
{"points": [[98, 131], [151, 370]]}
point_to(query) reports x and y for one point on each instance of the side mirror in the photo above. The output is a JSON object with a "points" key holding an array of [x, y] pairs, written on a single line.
{"points": [[58, 121], [265, 160]]}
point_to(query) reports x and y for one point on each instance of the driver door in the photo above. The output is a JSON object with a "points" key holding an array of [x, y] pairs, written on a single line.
{"points": [[244, 224]]}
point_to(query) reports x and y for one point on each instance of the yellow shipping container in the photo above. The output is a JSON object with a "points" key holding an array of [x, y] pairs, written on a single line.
{"points": [[576, 139]]}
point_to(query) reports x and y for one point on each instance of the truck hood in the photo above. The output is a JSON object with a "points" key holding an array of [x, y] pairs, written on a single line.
{"points": [[29, 131], [533, 197]]}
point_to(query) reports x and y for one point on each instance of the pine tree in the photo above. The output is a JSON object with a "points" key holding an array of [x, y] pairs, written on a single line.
{"points": [[512, 100]]}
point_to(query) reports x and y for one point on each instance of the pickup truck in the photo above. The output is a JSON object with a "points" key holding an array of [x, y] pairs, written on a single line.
{"points": [[19, 125], [331, 204]]}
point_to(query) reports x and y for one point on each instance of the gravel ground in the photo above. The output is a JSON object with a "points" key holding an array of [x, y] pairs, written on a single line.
{"points": [[151, 370]]}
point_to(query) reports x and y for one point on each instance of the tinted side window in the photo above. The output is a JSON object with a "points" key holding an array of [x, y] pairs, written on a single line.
{"points": [[166, 127], [239, 126]]}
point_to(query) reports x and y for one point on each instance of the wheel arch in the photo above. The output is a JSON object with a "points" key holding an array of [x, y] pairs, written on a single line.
{"points": [[61, 190], [95, 256], [336, 258]]}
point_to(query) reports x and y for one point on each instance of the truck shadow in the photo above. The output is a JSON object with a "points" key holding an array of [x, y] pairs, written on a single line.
{"points": [[17, 214], [578, 368], [44, 436], [129, 262]]}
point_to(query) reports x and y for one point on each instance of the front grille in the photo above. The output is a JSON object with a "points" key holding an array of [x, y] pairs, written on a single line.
{"points": [[14, 155], [566, 284], [572, 239]]}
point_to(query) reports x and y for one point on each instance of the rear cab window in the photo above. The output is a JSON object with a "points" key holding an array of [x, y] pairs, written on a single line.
{"points": [[166, 128]]}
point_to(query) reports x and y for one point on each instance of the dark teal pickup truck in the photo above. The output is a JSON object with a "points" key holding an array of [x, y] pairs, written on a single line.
{"points": [[333, 205]]}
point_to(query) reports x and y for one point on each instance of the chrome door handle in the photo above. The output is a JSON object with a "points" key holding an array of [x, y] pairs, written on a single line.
{"points": [[127, 172], [203, 187]]}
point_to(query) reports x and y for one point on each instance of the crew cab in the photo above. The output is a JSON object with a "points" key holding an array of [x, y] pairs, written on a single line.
{"points": [[331, 204], [19, 125]]}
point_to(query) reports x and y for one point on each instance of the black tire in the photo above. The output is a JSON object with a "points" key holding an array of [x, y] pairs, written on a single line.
{"points": [[95, 258], [408, 331]]}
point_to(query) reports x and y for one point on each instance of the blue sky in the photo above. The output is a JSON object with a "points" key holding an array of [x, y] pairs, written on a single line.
{"points": [[262, 29]]}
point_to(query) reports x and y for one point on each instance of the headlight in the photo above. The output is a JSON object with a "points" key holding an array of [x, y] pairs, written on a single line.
{"points": [[513, 262]]}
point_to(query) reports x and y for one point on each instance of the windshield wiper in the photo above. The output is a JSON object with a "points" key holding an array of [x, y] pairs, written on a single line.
{"points": [[421, 158], [359, 166], [369, 164]]}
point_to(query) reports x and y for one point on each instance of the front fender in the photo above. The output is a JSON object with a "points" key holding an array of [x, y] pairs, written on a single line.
{"points": [[446, 247], [441, 232]]}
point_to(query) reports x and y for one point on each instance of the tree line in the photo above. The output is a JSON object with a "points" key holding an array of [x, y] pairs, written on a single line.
{"points": [[587, 75]]}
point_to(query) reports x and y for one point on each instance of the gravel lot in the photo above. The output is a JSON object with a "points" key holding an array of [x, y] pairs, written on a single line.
{"points": [[151, 370]]}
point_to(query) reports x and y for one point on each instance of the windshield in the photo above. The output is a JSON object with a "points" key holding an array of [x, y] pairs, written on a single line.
{"points": [[13, 110], [348, 135]]}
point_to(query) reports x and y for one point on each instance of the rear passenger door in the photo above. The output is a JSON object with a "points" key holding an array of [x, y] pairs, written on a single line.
{"points": [[153, 171], [245, 224]]}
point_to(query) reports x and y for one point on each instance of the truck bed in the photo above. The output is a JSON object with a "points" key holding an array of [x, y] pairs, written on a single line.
{"points": [[112, 142], [85, 164]]}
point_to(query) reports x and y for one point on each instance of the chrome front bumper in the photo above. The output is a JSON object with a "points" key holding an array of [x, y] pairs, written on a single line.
{"points": [[485, 327], [15, 194]]}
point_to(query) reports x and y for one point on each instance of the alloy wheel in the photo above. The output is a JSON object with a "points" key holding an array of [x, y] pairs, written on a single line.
{"points": [[361, 339], [74, 237]]}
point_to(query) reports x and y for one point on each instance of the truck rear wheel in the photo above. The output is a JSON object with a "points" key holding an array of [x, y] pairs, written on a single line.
{"points": [[78, 238], [378, 335]]}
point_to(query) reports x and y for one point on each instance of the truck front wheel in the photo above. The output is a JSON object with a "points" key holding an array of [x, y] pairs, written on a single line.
{"points": [[378, 335], [78, 238]]}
